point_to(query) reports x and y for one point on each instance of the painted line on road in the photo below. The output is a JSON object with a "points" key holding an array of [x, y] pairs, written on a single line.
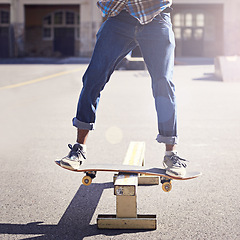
{"points": [[40, 79]]}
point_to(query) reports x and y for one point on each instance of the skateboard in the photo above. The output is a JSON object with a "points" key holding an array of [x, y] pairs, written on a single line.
{"points": [[90, 171]]}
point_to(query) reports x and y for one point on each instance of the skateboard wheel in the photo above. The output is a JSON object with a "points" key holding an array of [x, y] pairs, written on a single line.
{"points": [[167, 187], [87, 180]]}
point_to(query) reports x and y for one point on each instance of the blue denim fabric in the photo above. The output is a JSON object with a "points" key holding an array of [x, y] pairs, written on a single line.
{"points": [[116, 37]]}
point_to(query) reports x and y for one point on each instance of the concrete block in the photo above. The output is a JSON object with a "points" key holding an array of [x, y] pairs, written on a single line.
{"points": [[227, 68]]}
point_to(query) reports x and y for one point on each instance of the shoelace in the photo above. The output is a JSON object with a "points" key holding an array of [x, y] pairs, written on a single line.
{"points": [[180, 161], [78, 150]]}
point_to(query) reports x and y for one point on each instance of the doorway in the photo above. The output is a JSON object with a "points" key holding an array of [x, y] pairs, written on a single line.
{"points": [[4, 40], [4, 32], [64, 41], [189, 32], [198, 29]]}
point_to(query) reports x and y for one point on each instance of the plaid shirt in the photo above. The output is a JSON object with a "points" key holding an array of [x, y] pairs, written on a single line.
{"points": [[143, 10]]}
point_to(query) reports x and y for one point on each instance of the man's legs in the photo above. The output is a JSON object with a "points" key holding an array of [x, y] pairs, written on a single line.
{"points": [[157, 44], [114, 40]]}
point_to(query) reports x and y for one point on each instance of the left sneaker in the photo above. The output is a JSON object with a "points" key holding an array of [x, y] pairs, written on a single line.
{"points": [[175, 166], [75, 158]]}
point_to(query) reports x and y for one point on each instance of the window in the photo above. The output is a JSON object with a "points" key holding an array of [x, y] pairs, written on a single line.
{"points": [[198, 34], [178, 20], [4, 17], [187, 33], [177, 32], [70, 18], [60, 19], [47, 20], [200, 20], [47, 33], [189, 25], [188, 20]]}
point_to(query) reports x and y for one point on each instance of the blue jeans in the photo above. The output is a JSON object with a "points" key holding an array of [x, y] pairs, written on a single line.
{"points": [[116, 37]]}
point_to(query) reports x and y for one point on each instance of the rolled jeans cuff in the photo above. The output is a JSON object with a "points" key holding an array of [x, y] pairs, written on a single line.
{"points": [[82, 125], [167, 140]]}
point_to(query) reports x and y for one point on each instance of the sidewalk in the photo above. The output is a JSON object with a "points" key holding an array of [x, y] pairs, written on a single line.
{"points": [[81, 60]]}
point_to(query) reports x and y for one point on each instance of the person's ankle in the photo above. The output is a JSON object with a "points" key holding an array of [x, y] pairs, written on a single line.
{"points": [[170, 153], [84, 146]]}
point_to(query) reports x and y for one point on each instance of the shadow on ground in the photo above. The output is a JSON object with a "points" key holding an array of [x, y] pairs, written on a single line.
{"points": [[208, 77], [75, 222]]}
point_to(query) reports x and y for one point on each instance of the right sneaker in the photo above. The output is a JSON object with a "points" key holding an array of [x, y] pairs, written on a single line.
{"points": [[174, 165], [75, 158]]}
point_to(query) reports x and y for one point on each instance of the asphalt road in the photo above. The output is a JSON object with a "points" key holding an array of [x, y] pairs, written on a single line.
{"points": [[42, 201]]}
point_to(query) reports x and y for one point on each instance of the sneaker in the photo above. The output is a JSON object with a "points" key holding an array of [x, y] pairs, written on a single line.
{"points": [[75, 158], [175, 166]]}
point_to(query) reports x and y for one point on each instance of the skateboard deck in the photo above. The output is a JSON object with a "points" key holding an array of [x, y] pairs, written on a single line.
{"points": [[91, 169]]}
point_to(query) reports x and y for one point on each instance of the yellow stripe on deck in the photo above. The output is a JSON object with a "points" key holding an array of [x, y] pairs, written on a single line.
{"points": [[135, 154]]}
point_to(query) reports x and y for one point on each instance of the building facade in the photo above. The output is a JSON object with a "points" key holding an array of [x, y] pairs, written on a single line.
{"points": [[50, 28]]}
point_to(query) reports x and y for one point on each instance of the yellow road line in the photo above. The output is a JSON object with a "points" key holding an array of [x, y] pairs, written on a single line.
{"points": [[40, 79]]}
